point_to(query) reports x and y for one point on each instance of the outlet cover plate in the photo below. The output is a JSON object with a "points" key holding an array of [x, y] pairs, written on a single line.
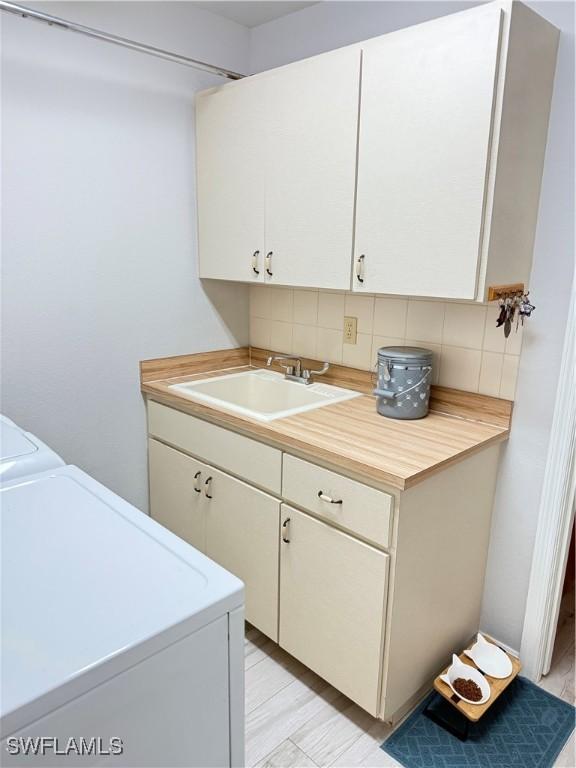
{"points": [[350, 330]]}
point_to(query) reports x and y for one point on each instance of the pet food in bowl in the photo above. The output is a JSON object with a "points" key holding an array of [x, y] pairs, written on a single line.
{"points": [[467, 689], [467, 674]]}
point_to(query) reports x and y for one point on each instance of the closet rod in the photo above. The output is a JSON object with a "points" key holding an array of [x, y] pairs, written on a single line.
{"points": [[55, 21]]}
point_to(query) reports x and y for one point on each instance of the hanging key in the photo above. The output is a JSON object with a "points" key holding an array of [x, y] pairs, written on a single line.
{"points": [[502, 315], [510, 312], [525, 308]]}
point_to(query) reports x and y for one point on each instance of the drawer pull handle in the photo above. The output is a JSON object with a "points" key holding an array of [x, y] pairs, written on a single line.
{"points": [[285, 528], [255, 262], [268, 263], [197, 478], [328, 499], [208, 487]]}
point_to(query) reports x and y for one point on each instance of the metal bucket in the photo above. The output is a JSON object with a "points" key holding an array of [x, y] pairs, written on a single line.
{"points": [[404, 376]]}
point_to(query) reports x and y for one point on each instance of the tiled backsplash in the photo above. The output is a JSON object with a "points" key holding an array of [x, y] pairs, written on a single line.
{"points": [[470, 353]]}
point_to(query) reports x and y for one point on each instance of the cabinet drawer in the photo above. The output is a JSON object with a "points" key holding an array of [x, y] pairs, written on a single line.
{"points": [[362, 510], [259, 464]]}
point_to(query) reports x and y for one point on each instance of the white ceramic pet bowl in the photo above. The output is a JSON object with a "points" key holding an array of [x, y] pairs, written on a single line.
{"points": [[459, 669], [489, 658]]}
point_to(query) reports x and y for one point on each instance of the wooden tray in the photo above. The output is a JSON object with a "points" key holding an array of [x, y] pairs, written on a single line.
{"points": [[475, 711]]}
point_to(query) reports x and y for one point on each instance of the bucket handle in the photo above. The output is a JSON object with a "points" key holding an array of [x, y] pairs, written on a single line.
{"points": [[392, 395]]}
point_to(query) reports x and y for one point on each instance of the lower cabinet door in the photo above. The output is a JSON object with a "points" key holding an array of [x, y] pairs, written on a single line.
{"points": [[242, 536], [333, 604], [176, 492]]}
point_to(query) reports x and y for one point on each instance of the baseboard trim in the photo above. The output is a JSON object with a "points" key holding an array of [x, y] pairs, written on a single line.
{"points": [[500, 644]]}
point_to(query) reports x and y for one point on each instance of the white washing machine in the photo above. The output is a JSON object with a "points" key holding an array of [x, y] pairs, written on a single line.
{"points": [[121, 644], [22, 453]]}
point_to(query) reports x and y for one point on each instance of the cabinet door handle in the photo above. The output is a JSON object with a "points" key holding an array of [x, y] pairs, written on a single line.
{"points": [[328, 499], [255, 262], [208, 487], [269, 262], [360, 268], [197, 478], [285, 531]]}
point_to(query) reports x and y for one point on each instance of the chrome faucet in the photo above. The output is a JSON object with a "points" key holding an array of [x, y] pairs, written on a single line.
{"points": [[296, 372]]}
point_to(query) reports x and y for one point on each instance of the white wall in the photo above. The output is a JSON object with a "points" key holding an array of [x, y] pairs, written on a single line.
{"points": [[99, 228], [522, 471], [332, 24]]}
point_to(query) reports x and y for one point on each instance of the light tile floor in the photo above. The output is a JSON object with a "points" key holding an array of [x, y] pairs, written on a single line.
{"points": [[296, 720]]}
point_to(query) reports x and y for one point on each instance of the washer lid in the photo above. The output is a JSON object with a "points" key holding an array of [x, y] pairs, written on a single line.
{"points": [[90, 586], [14, 442]]}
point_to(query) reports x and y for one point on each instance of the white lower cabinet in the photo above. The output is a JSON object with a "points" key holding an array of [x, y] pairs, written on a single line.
{"points": [[317, 591], [333, 591], [242, 535], [230, 521], [175, 493], [368, 587]]}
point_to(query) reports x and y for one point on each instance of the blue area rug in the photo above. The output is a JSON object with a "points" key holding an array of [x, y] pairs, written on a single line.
{"points": [[526, 728]]}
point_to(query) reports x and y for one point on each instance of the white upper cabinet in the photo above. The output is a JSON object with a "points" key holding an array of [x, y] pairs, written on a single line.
{"points": [[230, 175], [276, 173], [410, 164], [453, 124], [311, 135], [425, 127]]}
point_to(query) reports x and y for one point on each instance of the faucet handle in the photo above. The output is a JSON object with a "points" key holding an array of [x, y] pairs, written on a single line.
{"points": [[322, 370], [290, 369]]}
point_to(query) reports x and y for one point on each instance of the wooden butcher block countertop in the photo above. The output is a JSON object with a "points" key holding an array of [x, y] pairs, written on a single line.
{"points": [[348, 437]]}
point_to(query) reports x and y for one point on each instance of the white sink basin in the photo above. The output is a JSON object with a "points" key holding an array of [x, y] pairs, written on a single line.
{"points": [[262, 395]]}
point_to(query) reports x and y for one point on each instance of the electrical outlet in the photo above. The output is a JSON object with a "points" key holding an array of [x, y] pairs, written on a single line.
{"points": [[350, 330]]}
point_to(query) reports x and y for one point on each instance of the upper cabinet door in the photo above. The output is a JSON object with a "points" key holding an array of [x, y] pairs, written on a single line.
{"points": [[425, 130], [230, 163], [311, 137]]}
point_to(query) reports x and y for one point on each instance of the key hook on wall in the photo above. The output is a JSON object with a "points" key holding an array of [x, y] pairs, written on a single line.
{"points": [[513, 302]]}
